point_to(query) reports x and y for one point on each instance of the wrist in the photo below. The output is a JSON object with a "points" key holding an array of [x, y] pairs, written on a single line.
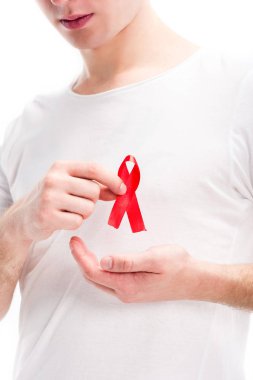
{"points": [[211, 281], [11, 230], [14, 249]]}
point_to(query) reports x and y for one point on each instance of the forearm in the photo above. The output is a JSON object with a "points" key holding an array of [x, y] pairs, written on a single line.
{"points": [[13, 252], [226, 284]]}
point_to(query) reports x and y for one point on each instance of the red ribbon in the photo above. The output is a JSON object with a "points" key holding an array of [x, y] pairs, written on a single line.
{"points": [[128, 202]]}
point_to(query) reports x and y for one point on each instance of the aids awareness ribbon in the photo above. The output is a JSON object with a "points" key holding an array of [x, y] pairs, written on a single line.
{"points": [[128, 202]]}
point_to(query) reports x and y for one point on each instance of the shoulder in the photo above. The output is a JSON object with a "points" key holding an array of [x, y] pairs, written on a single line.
{"points": [[32, 120], [37, 108], [228, 67], [45, 102], [243, 116]]}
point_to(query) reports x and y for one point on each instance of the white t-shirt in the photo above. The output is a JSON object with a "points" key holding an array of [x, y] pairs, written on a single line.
{"points": [[190, 129]]}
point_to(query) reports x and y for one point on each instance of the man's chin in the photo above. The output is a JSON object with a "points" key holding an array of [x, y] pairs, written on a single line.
{"points": [[82, 42]]}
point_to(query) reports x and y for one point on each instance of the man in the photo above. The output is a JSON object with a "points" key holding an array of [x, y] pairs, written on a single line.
{"points": [[172, 301]]}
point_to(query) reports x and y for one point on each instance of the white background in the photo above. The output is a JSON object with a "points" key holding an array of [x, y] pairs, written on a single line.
{"points": [[35, 58]]}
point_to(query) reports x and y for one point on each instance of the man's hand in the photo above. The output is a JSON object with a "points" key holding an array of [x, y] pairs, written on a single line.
{"points": [[164, 272], [61, 200], [64, 198]]}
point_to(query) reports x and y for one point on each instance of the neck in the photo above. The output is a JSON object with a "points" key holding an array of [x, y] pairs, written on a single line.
{"points": [[144, 44]]}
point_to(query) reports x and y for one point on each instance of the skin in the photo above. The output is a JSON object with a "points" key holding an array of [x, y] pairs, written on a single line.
{"points": [[164, 273], [63, 199], [114, 46]]}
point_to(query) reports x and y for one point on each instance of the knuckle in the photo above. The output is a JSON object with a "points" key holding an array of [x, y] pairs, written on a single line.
{"points": [[43, 215], [92, 168], [46, 198], [77, 222], [49, 181], [96, 192], [89, 207], [126, 265]]}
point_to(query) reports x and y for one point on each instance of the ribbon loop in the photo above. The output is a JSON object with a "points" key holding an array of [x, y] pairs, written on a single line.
{"points": [[128, 202]]}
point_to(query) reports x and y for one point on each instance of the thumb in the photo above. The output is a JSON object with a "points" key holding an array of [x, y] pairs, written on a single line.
{"points": [[105, 193], [142, 262]]}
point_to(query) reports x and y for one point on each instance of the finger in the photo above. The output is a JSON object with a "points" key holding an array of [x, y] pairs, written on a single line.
{"points": [[95, 171], [74, 204], [101, 287], [66, 220], [90, 266], [106, 194], [81, 250], [141, 262], [81, 187], [88, 189]]}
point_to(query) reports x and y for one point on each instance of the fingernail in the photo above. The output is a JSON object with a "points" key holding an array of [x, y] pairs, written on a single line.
{"points": [[122, 188], [107, 263]]}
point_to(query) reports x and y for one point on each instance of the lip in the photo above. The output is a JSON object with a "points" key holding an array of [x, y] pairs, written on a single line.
{"points": [[73, 17], [76, 21]]}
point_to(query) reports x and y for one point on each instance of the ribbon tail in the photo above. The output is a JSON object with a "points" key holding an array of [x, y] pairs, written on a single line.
{"points": [[134, 216], [118, 210]]}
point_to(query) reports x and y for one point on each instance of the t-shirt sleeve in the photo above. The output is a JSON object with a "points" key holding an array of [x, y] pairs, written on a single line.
{"points": [[5, 196], [241, 139], [6, 199]]}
